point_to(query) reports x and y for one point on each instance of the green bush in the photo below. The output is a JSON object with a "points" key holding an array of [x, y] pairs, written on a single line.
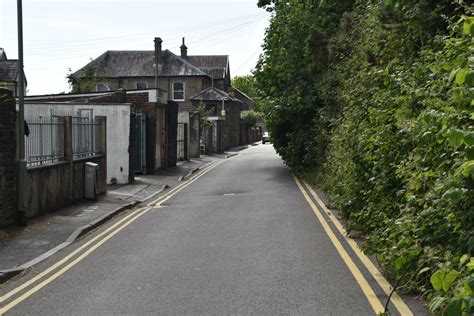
{"points": [[372, 101]]}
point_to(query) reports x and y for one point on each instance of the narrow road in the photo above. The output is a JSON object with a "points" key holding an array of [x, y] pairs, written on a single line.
{"points": [[239, 239]]}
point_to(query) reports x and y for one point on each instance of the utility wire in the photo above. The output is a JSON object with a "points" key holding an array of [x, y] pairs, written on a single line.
{"points": [[248, 59], [202, 39], [107, 40]]}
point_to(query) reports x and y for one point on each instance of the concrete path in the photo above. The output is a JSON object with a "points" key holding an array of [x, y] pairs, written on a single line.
{"points": [[240, 237]]}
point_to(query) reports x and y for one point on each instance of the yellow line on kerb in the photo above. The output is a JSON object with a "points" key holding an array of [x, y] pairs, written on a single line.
{"points": [[395, 299], [134, 216], [364, 285]]}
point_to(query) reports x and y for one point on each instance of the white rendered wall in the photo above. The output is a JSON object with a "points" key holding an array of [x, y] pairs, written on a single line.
{"points": [[118, 130]]}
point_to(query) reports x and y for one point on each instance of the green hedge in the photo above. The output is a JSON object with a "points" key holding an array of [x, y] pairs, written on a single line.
{"points": [[372, 101]]}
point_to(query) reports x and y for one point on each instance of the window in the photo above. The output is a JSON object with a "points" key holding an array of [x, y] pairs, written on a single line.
{"points": [[178, 91], [141, 85], [102, 87]]}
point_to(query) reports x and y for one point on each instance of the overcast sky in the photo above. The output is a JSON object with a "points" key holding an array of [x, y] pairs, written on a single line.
{"points": [[63, 34]]}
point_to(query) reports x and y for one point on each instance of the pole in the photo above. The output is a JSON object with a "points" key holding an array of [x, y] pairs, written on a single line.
{"points": [[21, 122]]}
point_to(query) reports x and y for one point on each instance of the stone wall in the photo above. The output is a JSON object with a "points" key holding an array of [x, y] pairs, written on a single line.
{"points": [[52, 187], [194, 135], [7, 158], [192, 85], [232, 124]]}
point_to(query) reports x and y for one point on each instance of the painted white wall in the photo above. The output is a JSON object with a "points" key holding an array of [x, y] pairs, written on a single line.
{"points": [[118, 130]]}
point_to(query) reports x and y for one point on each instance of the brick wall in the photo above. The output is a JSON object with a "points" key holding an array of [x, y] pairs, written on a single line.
{"points": [[7, 158], [140, 101]]}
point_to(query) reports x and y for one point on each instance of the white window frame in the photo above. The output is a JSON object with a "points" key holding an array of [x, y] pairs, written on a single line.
{"points": [[136, 85], [184, 90]]}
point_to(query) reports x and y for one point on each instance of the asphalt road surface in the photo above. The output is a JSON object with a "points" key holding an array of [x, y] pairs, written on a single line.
{"points": [[239, 239]]}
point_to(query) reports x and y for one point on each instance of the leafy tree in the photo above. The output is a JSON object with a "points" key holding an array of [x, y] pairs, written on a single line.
{"points": [[250, 118], [247, 85], [87, 79], [203, 115]]}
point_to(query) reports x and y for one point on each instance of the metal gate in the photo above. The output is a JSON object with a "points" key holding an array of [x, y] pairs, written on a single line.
{"points": [[150, 149], [171, 134], [182, 141]]}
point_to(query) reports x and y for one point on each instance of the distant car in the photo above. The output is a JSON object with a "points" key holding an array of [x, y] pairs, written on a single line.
{"points": [[266, 138]]}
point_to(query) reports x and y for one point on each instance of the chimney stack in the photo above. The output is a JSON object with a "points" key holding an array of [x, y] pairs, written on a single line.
{"points": [[158, 42], [184, 51], [158, 57]]}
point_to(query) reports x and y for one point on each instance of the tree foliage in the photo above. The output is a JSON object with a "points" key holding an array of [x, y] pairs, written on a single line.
{"points": [[372, 100], [247, 85], [87, 80], [250, 118]]}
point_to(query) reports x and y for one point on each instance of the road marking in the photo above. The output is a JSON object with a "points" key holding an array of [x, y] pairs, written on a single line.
{"points": [[53, 267], [57, 264], [395, 299], [66, 268], [364, 285], [137, 213]]}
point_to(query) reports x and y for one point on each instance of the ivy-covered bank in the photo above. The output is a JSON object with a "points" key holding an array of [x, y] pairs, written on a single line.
{"points": [[373, 101]]}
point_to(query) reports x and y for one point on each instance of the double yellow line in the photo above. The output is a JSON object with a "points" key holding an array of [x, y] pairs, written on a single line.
{"points": [[63, 265], [369, 293]]}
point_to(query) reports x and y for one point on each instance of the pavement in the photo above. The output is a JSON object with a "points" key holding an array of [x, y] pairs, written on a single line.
{"points": [[23, 247], [241, 238]]}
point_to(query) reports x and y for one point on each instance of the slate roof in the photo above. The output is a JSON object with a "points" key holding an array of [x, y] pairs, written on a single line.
{"points": [[9, 70], [140, 64], [214, 65], [212, 94], [240, 94]]}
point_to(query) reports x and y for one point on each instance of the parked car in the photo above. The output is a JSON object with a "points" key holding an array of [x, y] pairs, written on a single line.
{"points": [[266, 138]]}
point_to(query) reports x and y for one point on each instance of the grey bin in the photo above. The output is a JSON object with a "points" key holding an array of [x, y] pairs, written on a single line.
{"points": [[91, 182]]}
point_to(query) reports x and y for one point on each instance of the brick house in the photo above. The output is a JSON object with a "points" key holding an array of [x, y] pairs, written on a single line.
{"points": [[185, 78]]}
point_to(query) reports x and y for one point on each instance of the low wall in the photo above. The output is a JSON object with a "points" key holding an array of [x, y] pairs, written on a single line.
{"points": [[54, 186], [249, 134]]}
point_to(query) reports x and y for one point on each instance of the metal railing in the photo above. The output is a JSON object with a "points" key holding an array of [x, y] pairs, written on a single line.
{"points": [[85, 137], [45, 141]]}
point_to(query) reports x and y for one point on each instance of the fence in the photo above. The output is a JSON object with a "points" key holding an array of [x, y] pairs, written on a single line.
{"points": [[85, 136], [45, 141]]}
